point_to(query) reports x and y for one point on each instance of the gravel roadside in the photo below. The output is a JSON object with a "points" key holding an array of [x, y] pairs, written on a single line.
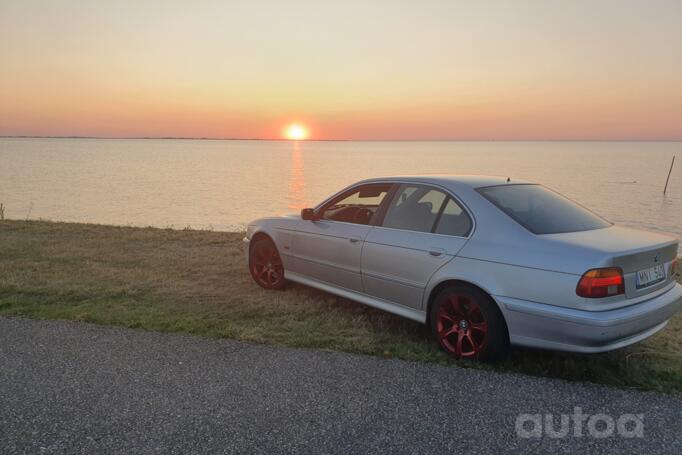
{"points": [[79, 388]]}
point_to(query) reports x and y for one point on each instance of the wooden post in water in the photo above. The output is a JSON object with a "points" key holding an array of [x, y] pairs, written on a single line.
{"points": [[666, 180]]}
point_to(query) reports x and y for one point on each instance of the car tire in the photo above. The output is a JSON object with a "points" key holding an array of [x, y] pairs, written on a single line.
{"points": [[265, 264], [467, 323]]}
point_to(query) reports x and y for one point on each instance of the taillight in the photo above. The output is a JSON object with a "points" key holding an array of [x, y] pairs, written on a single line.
{"points": [[673, 267], [598, 283]]}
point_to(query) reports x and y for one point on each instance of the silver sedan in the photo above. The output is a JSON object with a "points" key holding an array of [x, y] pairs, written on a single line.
{"points": [[484, 261]]}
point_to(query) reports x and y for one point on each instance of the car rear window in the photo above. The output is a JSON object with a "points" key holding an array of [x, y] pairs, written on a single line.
{"points": [[541, 210]]}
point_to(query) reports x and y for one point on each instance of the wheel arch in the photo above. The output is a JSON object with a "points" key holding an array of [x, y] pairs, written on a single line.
{"points": [[260, 235], [436, 289], [279, 238]]}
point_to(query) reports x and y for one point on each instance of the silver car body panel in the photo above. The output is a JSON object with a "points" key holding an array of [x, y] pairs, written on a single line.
{"points": [[547, 326], [398, 265], [330, 252], [532, 278]]}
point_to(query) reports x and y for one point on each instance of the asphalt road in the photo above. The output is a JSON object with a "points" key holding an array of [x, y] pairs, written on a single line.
{"points": [[78, 388]]}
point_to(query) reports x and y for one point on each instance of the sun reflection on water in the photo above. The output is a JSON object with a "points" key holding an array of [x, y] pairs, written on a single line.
{"points": [[296, 194]]}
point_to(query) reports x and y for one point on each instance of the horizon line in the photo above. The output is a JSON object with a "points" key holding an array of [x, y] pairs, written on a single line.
{"points": [[191, 138]]}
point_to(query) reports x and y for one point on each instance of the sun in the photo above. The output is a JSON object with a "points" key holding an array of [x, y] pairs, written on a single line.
{"points": [[296, 132]]}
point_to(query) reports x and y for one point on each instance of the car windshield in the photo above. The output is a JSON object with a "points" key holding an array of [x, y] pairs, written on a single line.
{"points": [[542, 211]]}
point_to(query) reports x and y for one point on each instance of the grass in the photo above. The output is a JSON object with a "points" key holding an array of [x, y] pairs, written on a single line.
{"points": [[196, 282]]}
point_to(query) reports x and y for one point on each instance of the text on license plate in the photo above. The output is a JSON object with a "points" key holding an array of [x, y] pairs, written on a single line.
{"points": [[650, 276]]}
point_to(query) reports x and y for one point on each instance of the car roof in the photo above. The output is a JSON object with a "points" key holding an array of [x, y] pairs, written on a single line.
{"points": [[453, 180]]}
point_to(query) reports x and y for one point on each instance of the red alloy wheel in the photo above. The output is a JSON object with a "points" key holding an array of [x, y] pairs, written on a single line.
{"points": [[461, 327], [266, 265]]}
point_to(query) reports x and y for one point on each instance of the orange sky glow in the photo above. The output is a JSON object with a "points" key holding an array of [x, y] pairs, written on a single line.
{"points": [[380, 70]]}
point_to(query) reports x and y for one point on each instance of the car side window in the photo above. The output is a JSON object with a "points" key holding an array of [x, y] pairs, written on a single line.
{"points": [[454, 220], [357, 206], [414, 208]]}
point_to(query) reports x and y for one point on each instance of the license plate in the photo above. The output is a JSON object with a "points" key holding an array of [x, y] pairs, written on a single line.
{"points": [[650, 276]]}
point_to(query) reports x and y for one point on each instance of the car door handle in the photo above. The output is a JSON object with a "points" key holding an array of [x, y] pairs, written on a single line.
{"points": [[436, 251], [354, 239]]}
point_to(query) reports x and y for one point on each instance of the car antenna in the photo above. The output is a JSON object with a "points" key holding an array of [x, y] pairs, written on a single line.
{"points": [[508, 179]]}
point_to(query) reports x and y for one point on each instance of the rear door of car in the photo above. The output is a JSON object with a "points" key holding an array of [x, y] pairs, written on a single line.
{"points": [[329, 249], [421, 228]]}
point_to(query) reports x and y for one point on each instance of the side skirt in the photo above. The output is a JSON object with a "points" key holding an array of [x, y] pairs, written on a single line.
{"points": [[365, 299]]}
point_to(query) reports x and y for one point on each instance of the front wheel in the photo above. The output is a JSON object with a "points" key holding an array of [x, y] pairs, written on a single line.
{"points": [[266, 265], [467, 324]]}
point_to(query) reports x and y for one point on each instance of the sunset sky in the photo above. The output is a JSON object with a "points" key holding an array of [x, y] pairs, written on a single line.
{"points": [[345, 69]]}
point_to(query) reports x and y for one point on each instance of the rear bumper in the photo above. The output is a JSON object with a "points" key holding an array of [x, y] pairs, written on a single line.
{"points": [[550, 327]]}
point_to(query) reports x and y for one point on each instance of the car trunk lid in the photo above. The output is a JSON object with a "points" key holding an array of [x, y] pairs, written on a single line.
{"points": [[634, 251]]}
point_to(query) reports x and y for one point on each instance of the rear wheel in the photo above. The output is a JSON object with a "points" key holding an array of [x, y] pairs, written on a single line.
{"points": [[467, 324], [265, 264]]}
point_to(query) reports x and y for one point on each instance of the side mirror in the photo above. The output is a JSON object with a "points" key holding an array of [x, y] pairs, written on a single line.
{"points": [[309, 215]]}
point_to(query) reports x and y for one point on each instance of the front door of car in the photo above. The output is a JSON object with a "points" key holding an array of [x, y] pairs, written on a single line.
{"points": [[329, 249], [423, 228]]}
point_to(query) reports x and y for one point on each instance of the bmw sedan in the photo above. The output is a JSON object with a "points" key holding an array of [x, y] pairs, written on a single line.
{"points": [[486, 262]]}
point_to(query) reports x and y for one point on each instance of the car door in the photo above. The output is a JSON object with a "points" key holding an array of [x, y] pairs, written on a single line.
{"points": [[329, 248], [423, 228]]}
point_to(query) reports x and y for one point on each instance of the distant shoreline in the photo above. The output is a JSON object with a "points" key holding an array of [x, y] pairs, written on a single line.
{"points": [[333, 140]]}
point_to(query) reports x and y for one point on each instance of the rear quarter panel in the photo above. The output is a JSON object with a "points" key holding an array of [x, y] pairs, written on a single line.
{"points": [[507, 280]]}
